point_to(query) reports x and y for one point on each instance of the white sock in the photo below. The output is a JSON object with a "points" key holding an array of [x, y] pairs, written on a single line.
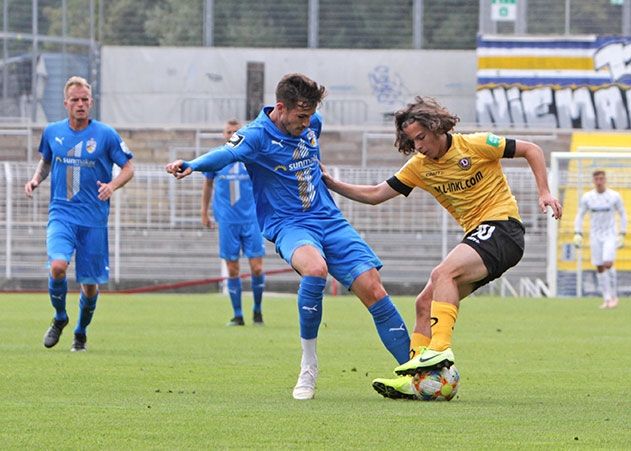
{"points": [[613, 279], [309, 356], [603, 282]]}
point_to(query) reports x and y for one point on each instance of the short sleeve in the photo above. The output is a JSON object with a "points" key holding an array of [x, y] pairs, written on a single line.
{"points": [[409, 174], [119, 152], [490, 146], [244, 144], [44, 146]]}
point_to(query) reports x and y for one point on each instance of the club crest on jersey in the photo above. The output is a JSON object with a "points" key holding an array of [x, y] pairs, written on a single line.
{"points": [[90, 146], [464, 163], [235, 140], [311, 136]]}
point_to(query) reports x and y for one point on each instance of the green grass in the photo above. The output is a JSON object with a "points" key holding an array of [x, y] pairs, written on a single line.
{"points": [[163, 372]]}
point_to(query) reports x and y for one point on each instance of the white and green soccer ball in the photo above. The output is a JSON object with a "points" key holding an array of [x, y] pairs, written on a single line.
{"points": [[437, 385]]}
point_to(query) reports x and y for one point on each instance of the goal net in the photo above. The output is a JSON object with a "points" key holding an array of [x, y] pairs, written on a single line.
{"points": [[570, 271]]}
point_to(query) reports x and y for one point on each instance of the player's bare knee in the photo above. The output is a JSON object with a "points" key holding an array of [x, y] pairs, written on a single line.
{"points": [[90, 290], [440, 274], [607, 265], [233, 268], [256, 267], [58, 269], [315, 269]]}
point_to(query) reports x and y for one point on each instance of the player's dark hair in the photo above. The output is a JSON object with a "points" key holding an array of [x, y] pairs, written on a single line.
{"points": [[598, 172], [427, 112], [299, 90]]}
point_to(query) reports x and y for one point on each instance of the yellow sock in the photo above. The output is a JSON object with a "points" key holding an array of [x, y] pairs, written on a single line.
{"points": [[418, 340], [443, 319]]}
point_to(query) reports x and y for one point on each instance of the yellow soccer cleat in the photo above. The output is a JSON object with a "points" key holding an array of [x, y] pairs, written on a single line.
{"points": [[397, 388], [428, 360]]}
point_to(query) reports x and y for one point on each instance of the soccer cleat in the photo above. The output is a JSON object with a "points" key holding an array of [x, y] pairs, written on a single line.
{"points": [[51, 337], [257, 319], [428, 360], [78, 345], [236, 321], [398, 388], [306, 385], [605, 304], [613, 303]]}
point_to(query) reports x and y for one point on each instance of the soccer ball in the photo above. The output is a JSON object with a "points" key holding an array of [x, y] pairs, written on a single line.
{"points": [[437, 385]]}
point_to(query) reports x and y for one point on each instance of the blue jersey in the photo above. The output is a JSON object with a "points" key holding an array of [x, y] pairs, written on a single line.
{"points": [[78, 159], [285, 173], [233, 200]]}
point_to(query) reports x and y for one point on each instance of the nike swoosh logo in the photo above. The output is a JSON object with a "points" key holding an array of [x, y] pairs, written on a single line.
{"points": [[421, 359]]}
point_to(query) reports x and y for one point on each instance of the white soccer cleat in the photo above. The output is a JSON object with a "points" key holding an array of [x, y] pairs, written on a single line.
{"points": [[306, 385]]}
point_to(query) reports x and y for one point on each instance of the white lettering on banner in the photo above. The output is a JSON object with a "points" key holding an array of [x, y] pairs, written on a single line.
{"points": [[605, 108]]}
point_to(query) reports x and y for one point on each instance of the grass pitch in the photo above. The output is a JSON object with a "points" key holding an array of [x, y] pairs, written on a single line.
{"points": [[163, 372]]}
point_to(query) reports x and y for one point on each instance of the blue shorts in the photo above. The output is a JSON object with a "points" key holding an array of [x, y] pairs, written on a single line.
{"points": [[90, 244], [347, 255], [234, 237]]}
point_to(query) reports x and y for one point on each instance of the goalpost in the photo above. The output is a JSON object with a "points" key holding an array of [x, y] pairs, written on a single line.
{"points": [[569, 270]]}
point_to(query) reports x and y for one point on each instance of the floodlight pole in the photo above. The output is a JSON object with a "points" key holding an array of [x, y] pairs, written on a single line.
{"points": [[208, 22], [313, 22], [34, 51]]}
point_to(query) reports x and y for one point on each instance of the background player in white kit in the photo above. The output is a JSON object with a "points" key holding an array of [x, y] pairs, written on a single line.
{"points": [[602, 203]]}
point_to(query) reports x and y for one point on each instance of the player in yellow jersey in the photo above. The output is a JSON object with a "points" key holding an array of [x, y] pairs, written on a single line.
{"points": [[464, 174]]}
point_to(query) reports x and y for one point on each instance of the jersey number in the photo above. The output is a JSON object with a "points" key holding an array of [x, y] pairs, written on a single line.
{"points": [[482, 233]]}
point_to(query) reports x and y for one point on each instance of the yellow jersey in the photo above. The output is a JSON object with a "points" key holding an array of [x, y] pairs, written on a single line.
{"points": [[468, 180]]}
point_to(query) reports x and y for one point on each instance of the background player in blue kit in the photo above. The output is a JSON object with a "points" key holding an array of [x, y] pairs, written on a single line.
{"points": [[296, 212], [79, 152], [235, 213]]}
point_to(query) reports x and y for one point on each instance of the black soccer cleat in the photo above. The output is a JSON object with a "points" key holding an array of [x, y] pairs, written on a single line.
{"points": [[78, 345], [236, 321], [51, 337], [257, 319]]}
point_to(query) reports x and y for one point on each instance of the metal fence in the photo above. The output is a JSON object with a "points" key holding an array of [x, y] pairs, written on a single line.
{"points": [[44, 42], [156, 235]]}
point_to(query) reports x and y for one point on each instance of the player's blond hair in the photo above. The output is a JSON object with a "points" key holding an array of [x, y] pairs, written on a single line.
{"points": [[76, 81], [427, 112]]}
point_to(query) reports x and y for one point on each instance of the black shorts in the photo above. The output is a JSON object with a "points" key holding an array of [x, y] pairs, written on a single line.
{"points": [[499, 243]]}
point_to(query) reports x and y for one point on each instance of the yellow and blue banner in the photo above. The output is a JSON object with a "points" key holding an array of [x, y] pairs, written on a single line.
{"points": [[558, 82]]}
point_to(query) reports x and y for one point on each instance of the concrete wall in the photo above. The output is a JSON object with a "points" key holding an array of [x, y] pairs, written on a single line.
{"points": [[193, 85]]}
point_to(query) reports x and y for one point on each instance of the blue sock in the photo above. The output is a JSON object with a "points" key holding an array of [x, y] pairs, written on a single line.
{"points": [[234, 289], [57, 289], [310, 296], [86, 311], [391, 328], [258, 285]]}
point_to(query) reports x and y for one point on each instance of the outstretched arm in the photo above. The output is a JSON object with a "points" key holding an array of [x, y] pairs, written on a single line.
{"points": [[534, 156], [41, 172], [366, 194], [209, 162]]}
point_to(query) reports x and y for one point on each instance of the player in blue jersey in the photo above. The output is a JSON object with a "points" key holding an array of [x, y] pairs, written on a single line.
{"points": [[235, 213], [297, 213], [79, 153]]}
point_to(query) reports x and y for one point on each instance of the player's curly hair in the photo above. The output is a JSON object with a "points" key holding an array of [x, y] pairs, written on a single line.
{"points": [[427, 112], [299, 90]]}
